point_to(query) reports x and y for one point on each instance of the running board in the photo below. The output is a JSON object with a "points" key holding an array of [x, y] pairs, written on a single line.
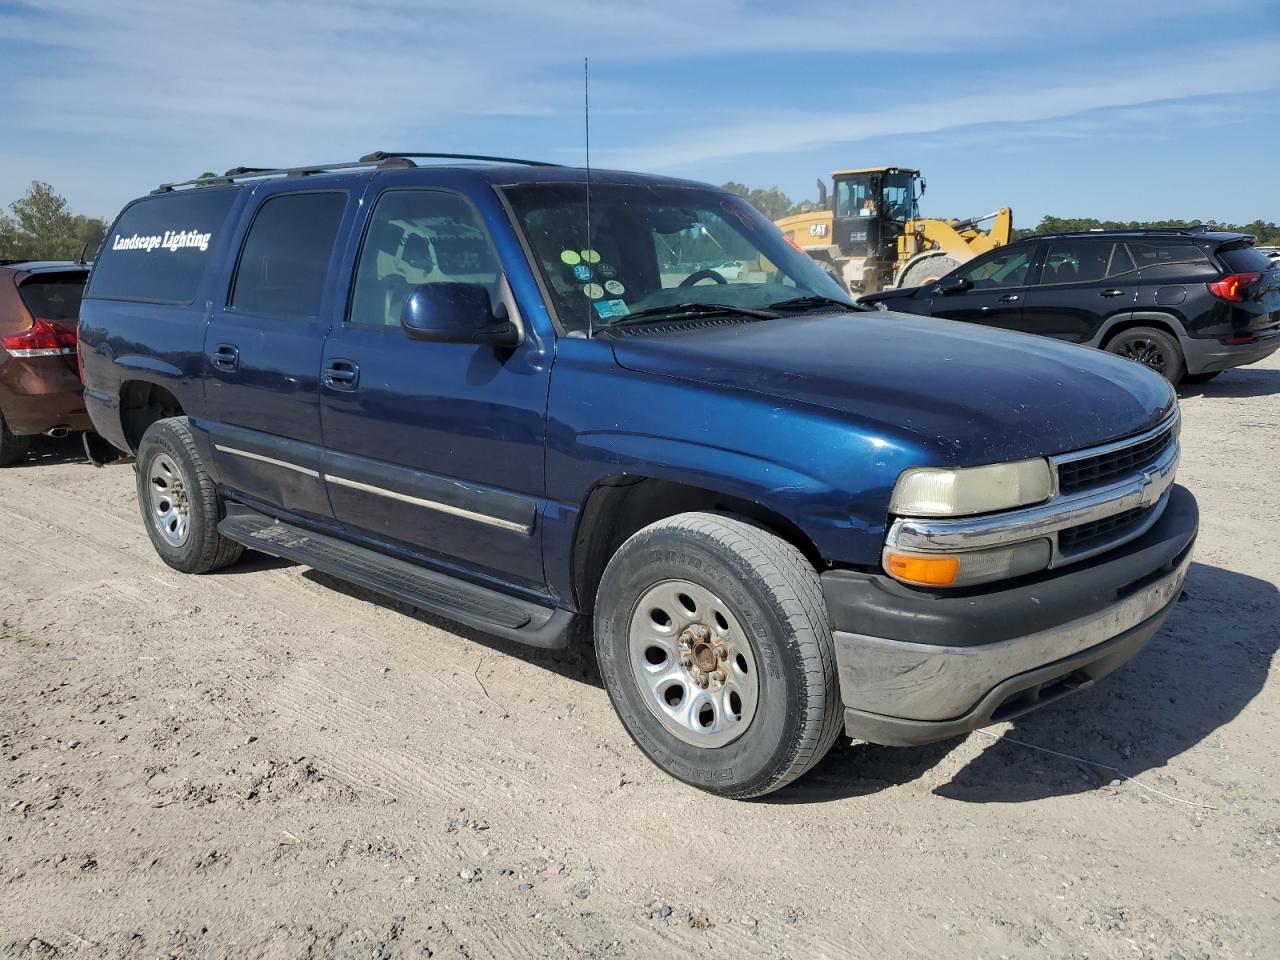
{"points": [[476, 606]]}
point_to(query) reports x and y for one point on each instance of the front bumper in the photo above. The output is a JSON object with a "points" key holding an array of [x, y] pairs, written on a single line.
{"points": [[1211, 356], [917, 666]]}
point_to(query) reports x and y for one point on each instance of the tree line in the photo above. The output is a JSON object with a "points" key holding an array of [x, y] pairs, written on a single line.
{"points": [[775, 204], [1268, 233], [40, 225]]}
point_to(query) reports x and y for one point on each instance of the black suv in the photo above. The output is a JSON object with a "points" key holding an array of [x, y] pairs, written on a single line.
{"points": [[1187, 303]]}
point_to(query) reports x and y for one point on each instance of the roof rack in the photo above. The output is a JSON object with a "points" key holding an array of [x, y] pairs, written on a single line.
{"points": [[379, 159], [1194, 230], [381, 155]]}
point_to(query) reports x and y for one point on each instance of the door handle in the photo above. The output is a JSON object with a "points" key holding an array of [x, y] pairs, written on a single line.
{"points": [[341, 375], [226, 356], [1113, 292], [1009, 298]]}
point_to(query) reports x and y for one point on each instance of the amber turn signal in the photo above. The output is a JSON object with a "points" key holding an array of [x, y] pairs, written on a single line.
{"points": [[927, 571]]}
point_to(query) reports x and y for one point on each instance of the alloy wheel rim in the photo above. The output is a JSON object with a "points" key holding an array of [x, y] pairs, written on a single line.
{"points": [[1144, 351], [167, 494], [693, 663]]}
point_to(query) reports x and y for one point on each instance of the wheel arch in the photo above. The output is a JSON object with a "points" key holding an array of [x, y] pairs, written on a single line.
{"points": [[619, 506], [1132, 319], [142, 403]]}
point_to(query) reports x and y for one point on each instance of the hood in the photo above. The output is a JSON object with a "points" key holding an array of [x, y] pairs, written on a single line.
{"points": [[974, 394]]}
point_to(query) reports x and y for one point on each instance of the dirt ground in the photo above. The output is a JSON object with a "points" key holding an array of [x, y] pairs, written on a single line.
{"points": [[267, 763]]}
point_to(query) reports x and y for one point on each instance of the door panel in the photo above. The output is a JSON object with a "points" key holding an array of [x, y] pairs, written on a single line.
{"points": [[1082, 283], [263, 352], [438, 447], [998, 286]]}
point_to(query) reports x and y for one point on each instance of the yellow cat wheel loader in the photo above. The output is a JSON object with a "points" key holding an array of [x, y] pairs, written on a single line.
{"points": [[869, 235]]}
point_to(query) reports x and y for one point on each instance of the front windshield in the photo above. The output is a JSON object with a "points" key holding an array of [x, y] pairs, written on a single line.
{"points": [[655, 246]]}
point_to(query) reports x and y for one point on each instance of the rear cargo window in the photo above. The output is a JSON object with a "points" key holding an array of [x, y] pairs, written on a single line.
{"points": [[1171, 261], [54, 297], [1245, 259], [158, 249], [286, 255]]}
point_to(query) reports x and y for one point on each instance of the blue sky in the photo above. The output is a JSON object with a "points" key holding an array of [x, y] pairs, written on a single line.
{"points": [[1127, 110]]}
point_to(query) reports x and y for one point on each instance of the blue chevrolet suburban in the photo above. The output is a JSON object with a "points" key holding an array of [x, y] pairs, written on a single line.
{"points": [[521, 396]]}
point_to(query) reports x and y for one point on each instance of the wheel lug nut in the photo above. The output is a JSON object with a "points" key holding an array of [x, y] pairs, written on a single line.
{"points": [[723, 653]]}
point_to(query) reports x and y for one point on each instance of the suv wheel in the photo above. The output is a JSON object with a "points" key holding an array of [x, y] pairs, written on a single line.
{"points": [[179, 504], [12, 449], [715, 649], [1152, 348]]}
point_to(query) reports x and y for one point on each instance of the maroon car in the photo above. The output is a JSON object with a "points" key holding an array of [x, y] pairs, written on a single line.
{"points": [[40, 389]]}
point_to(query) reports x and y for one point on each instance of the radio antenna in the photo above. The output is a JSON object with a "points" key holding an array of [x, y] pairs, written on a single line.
{"points": [[586, 127]]}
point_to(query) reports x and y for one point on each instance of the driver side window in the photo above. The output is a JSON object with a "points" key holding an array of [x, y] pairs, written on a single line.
{"points": [[1007, 269], [416, 237]]}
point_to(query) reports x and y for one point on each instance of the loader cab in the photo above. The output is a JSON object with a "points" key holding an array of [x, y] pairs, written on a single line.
{"points": [[871, 207]]}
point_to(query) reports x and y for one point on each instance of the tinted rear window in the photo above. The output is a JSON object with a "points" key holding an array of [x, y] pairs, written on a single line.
{"points": [[1245, 260], [1171, 261], [54, 297], [286, 255], [158, 249]]}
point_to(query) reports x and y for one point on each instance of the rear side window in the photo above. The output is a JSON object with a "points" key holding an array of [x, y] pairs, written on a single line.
{"points": [[1245, 259], [286, 255], [159, 248], [1076, 261], [53, 297], [1171, 261]]}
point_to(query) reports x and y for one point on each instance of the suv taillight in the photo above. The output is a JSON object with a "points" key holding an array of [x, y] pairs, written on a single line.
{"points": [[42, 339], [1229, 287]]}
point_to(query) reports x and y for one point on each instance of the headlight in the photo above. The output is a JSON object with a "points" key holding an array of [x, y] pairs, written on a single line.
{"points": [[967, 569], [936, 492]]}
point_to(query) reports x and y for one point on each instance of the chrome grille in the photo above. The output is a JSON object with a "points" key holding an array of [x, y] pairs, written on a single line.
{"points": [[1096, 471]]}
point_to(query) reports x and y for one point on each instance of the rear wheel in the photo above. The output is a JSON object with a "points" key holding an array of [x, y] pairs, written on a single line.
{"points": [[715, 649], [12, 449], [180, 506], [1152, 348]]}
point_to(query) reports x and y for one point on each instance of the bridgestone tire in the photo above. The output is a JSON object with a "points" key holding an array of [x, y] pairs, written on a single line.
{"points": [[12, 449], [774, 593], [1154, 349], [204, 548]]}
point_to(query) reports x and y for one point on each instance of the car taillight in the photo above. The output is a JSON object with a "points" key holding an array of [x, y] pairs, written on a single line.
{"points": [[43, 339], [1230, 287]]}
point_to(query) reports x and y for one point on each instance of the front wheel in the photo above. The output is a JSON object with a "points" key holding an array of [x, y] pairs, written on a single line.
{"points": [[1152, 348], [179, 503], [715, 649]]}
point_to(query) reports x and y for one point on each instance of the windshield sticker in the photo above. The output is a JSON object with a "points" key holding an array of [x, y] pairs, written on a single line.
{"points": [[571, 257], [593, 290], [590, 256], [607, 309], [607, 269], [583, 272], [614, 287], [173, 241]]}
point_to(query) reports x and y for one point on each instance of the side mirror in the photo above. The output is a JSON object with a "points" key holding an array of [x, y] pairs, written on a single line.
{"points": [[955, 285], [456, 313]]}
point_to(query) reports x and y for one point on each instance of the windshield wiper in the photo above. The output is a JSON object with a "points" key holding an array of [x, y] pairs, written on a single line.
{"points": [[674, 311], [813, 300]]}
